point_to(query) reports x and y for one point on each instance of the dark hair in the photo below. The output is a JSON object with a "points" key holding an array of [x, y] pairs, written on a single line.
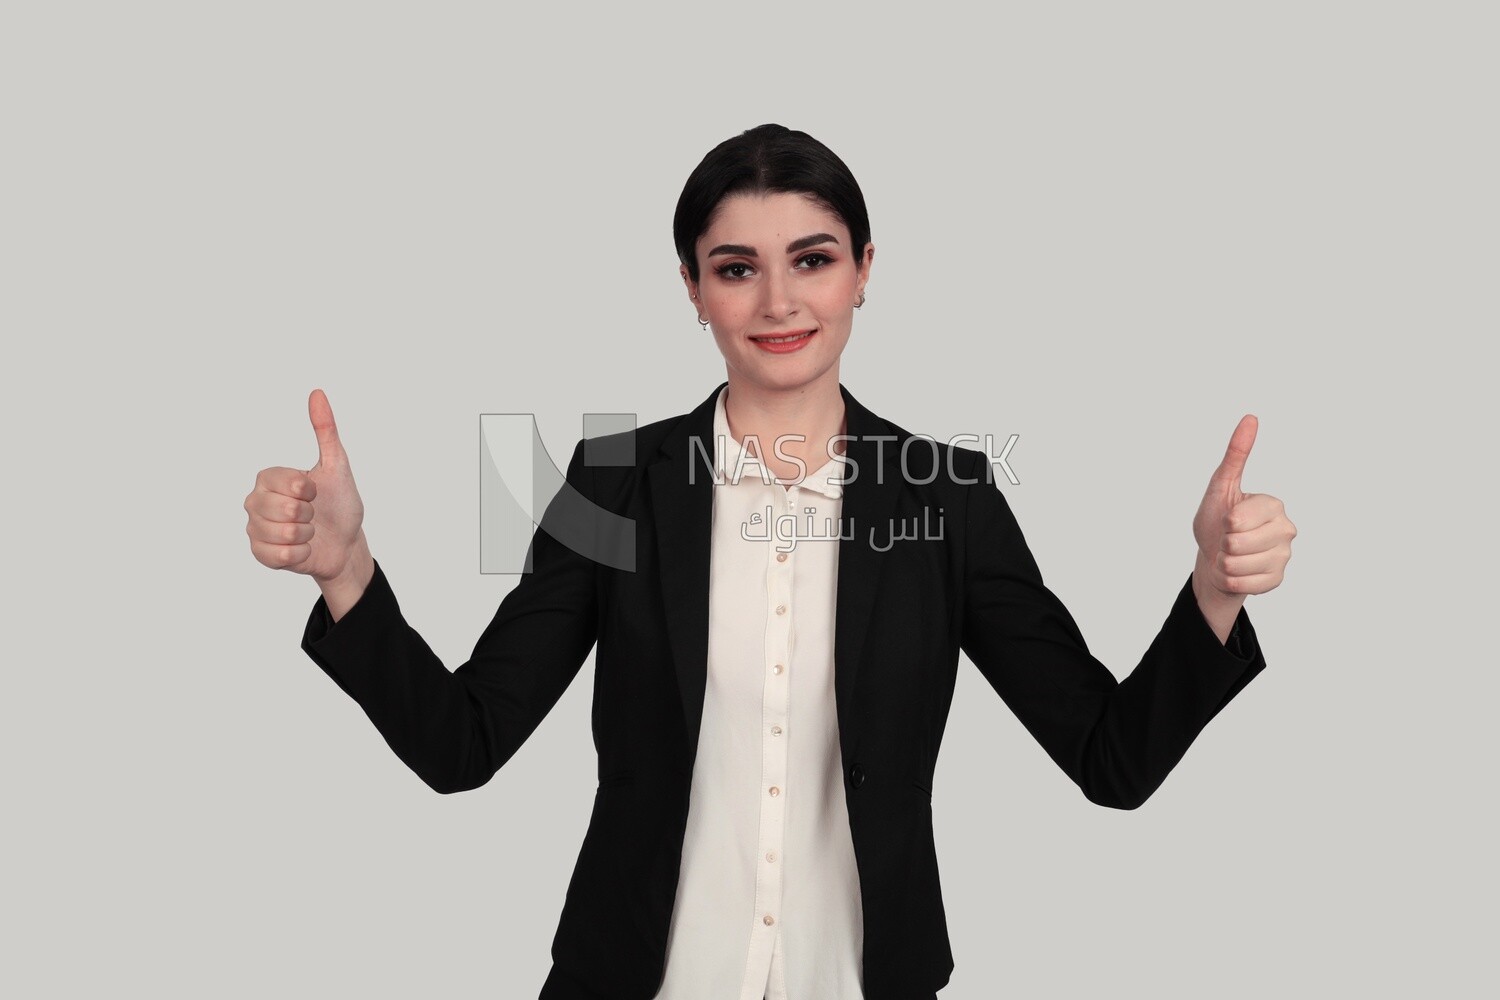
{"points": [[763, 159]]}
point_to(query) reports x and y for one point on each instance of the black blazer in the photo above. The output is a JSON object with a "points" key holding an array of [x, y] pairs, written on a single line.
{"points": [[903, 615]]}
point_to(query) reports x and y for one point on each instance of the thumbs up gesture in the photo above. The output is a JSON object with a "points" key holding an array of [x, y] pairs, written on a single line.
{"points": [[1244, 539], [309, 521]]}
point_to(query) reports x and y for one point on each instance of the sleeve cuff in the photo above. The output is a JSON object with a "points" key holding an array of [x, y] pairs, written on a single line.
{"points": [[1243, 646], [333, 645]]}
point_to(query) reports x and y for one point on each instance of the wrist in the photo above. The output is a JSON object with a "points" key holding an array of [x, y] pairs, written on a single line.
{"points": [[1219, 609], [343, 591]]}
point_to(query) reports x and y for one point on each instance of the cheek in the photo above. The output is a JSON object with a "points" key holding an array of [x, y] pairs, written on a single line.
{"points": [[838, 288], [835, 300], [727, 307]]}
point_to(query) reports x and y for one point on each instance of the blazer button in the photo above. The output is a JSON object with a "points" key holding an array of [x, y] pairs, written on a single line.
{"points": [[856, 776]]}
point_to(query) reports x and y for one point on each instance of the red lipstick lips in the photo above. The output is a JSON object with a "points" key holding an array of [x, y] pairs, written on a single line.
{"points": [[784, 343]]}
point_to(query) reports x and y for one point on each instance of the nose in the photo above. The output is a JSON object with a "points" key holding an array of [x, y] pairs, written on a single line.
{"points": [[780, 296]]}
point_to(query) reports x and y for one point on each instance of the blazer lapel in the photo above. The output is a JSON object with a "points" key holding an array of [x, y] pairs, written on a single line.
{"points": [[682, 497], [869, 500], [681, 484]]}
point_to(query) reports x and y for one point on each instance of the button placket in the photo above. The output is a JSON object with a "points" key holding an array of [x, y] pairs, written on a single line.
{"points": [[773, 726], [745, 628]]}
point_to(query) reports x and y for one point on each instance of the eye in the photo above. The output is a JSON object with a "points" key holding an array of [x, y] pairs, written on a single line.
{"points": [[733, 272], [814, 261]]}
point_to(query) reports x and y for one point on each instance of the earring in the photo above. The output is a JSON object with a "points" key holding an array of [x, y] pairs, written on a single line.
{"points": [[703, 322], [861, 300]]}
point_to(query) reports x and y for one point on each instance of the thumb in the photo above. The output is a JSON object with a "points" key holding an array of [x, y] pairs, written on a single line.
{"points": [[1233, 464], [330, 448]]}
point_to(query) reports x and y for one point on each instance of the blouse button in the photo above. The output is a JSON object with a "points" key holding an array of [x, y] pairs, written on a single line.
{"points": [[776, 669], [781, 609], [768, 919], [775, 730], [775, 791], [781, 557]]}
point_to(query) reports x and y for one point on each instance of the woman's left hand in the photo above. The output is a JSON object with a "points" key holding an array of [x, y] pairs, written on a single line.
{"points": [[1244, 539]]}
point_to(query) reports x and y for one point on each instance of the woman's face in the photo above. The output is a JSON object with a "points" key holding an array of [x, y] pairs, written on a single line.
{"points": [[778, 265]]}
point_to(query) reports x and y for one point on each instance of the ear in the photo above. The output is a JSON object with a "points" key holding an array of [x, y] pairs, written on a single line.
{"points": [[865, 260], [692, 288]]}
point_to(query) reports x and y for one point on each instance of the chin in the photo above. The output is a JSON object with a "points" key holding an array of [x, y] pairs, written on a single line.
{"points": [[789, 381]]}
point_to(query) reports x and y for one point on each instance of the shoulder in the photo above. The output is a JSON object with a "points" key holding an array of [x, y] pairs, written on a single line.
{"points": [[922, 459], [610, 467], [627, 448]]}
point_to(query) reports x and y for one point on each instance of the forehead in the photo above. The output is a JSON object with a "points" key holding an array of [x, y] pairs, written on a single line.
{"points": [[741, 218]]}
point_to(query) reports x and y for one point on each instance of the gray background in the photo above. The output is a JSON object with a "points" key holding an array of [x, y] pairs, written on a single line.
{"points": [[1111, 229]]}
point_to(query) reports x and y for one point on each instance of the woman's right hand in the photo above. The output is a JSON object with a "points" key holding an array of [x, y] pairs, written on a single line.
{"points": [[312, 522]]}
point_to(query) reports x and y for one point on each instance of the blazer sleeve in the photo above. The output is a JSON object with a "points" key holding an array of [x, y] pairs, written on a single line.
{"points": [[456, 729], [1116, 740]]}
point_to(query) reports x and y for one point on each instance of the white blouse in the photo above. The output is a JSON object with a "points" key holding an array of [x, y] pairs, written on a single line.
{"points": [[768, 901]]}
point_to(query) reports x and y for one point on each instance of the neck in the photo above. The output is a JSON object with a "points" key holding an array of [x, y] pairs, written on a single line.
{"points": [[813, 412]]}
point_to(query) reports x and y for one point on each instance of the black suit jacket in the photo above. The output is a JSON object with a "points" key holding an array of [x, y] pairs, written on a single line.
{"points": [[903, 616]]}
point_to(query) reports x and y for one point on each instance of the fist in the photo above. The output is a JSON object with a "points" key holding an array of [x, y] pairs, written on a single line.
{"points": [[309, 522], [1244, 539]]}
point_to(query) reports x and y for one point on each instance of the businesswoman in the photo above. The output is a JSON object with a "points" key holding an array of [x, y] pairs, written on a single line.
{"points": [[768, 700]]}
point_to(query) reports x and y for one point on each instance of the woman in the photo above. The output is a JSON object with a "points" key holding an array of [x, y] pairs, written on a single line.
{"points": [[768, 706]]}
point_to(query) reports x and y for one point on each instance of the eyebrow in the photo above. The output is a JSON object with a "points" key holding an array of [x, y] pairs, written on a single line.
{"points": [[792, 247]]}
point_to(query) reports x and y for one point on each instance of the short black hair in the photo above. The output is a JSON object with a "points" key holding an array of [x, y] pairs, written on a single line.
{"points": [[764, 159]]}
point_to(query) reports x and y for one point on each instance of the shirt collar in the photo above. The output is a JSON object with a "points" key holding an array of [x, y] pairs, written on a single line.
{"points": [[822, 480]]}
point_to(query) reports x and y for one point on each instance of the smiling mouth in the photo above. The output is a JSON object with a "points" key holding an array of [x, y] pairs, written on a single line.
{"points": [[784, 339]]}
